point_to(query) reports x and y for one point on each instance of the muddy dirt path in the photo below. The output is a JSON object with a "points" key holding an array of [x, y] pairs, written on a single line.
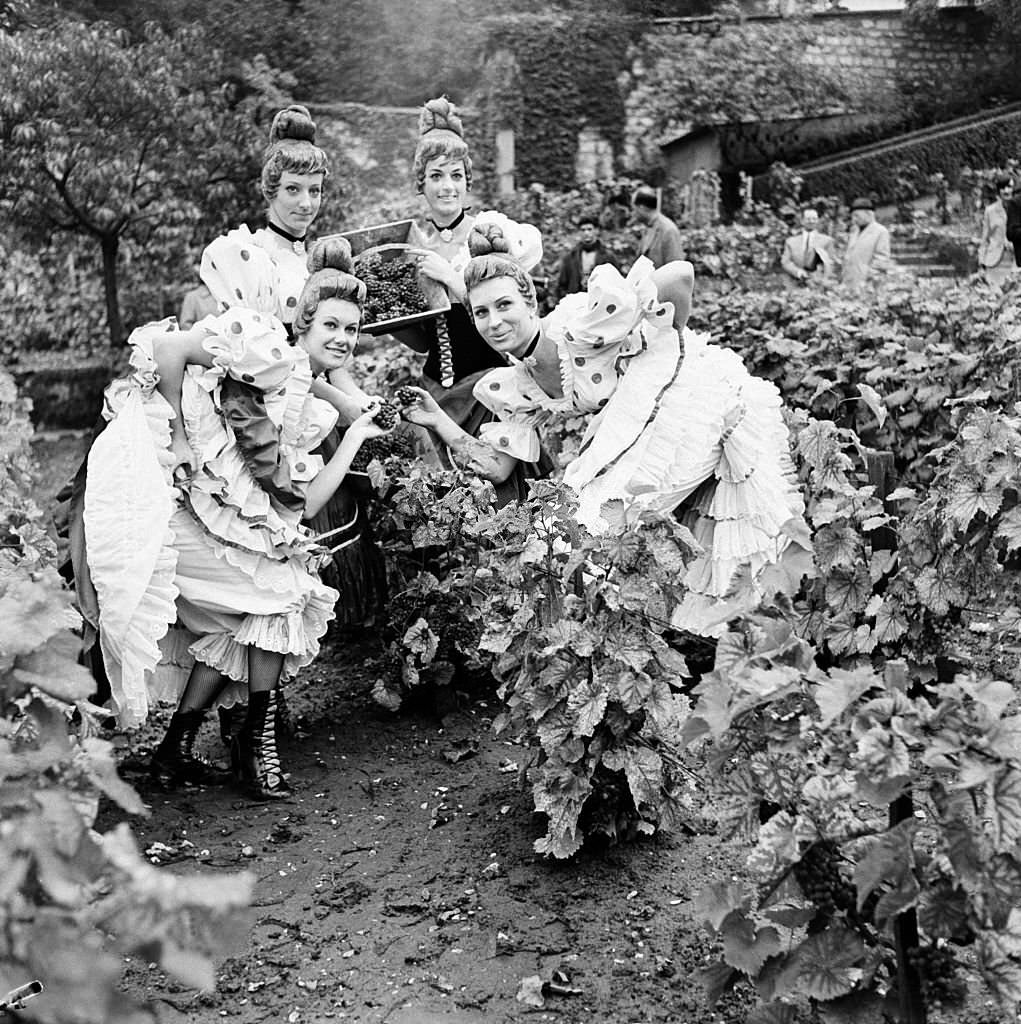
{"points": [[399, 884]]}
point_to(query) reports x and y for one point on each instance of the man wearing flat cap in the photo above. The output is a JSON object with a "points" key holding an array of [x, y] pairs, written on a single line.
{"points": [[661, 241], [868, 245]]}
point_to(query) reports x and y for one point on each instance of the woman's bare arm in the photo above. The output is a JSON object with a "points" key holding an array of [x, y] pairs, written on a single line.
{"points": [[675, 282]]}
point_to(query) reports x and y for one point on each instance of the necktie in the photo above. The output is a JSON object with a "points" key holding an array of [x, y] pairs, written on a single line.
{"points": [[804, 255]]}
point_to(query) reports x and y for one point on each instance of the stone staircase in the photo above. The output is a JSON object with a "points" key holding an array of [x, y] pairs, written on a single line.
{"points": [[915, 256]]}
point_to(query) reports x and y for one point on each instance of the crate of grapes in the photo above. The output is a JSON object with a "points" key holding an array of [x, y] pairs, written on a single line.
{"points": [[398, 295]]}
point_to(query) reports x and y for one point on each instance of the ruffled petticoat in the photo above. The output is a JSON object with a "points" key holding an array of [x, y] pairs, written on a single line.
{"points": [[232, 568], [698, 435]]}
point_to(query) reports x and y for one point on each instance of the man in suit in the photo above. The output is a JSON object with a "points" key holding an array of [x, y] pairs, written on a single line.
{"points": [[808, 255], [661, 241], [996, 255], [1014, 223], [868, 245], [579, 262]]}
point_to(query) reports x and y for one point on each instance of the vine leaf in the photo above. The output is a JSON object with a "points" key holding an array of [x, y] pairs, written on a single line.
{"points": [[841, 688], [967, 500], [716, 902], [746, 947], [643, 768], [891, 623], [718, 979], [862, 1007], [588, 707], [889, 863], [993, 694], [874, 400], [999, 957], [849, 592], [943, 911], [1004, 806], [101, 769], [1002, 884], [826, 964], [936, 591], [773, 1013], [31, 613], [1009, 528], [838, 546], [421, 640]]}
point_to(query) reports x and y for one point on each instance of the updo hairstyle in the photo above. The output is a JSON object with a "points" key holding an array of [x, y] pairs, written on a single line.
{"points": [[329, 264], [489, 249], [440, 134], [291, 148]]}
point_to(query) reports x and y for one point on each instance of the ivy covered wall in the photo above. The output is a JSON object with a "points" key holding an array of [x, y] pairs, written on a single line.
{"points": [[573, 85]]}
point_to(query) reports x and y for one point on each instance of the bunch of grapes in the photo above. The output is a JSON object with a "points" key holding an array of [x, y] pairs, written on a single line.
{"points": [[818, 873], [405, 397], [389, 446], [392, 287], [942, 985], [387, 416]]}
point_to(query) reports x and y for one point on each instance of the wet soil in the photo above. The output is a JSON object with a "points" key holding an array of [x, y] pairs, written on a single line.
{"points": [[399, 883]]}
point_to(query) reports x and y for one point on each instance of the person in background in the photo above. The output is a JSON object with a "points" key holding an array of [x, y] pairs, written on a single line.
{"points": [[868, 245], [579, 262], [197, 303], [661, 242], [995, 253], [1013, 205], [808, 255]]}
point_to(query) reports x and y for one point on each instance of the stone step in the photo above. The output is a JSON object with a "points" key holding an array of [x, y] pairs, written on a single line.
{"points": [[939, 270], [920, 258]]}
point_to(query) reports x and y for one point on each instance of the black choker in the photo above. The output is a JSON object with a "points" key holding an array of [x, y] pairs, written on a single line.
{"points": [[532, 345], [298, 244], [447, 233]]}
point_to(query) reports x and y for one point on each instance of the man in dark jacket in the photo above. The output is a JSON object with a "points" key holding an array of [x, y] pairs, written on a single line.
{"points": [[576, 265], [1013, 205]]}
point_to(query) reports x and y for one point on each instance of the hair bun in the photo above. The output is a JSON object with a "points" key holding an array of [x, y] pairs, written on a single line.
{"points": [[487, 239], [331, 253], [439, 115], [293, 122]]}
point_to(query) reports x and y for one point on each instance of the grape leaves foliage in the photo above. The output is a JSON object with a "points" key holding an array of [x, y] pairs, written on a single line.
{"points": [[72, 898], [829, 748]]}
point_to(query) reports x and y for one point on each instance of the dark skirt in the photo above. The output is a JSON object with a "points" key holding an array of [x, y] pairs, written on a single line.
{"points": [[357, 569]]}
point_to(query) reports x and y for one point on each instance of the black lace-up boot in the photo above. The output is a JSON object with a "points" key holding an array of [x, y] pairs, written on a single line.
{"points": [[254, 752], [174, 762]]}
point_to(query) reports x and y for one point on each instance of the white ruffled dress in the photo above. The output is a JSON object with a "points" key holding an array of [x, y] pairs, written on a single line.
{"points": [[676, 426], [224, 557]]}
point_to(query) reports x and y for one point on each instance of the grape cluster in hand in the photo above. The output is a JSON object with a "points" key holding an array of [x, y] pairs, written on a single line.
{"points": [[818, 874], [387, 416], [405, 396], [392, 288]]}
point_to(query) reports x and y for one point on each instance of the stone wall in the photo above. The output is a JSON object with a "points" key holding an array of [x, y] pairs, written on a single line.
{"points": [[883, 49], [876, 54]]}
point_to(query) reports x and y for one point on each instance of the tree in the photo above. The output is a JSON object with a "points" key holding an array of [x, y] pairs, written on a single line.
{"points": [[118, 141]]}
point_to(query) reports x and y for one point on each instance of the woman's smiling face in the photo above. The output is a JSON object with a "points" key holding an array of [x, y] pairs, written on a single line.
{"points": [[445, 187], [502, 315], [331, 337]]}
